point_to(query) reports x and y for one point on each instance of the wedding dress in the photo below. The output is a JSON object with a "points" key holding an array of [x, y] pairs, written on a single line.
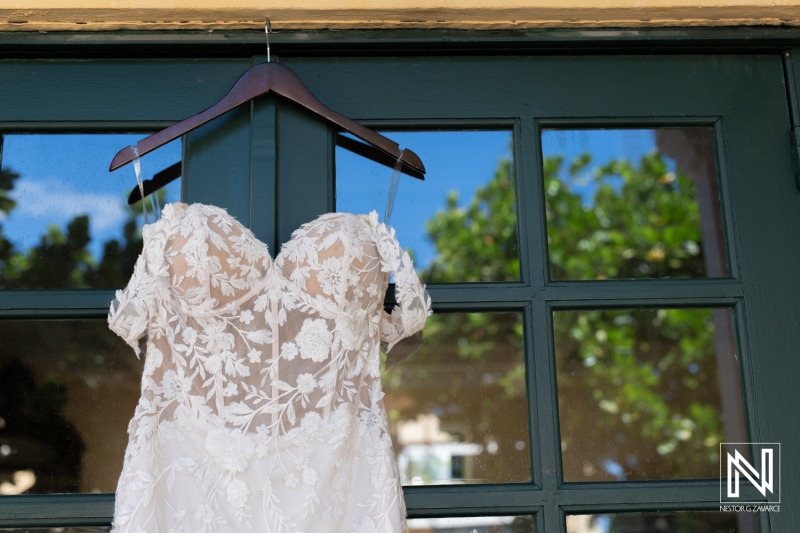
{"points": [[261, 405]]}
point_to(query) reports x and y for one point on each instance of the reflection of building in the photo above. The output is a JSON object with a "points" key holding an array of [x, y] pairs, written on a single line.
{"points": [[584, 523], [456, 406], [428, 455]]}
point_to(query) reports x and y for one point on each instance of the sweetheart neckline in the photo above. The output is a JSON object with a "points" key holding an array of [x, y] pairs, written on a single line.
{"points": [[173, 206], [171, 211]]}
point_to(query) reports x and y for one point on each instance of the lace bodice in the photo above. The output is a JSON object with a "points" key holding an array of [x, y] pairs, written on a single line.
{"points": [[261, 405]]}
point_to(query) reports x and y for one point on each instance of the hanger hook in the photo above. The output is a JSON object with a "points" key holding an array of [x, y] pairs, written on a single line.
{"points": [[267, 30]]}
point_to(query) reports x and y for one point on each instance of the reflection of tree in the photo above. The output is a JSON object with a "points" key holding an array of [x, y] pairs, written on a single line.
{"points": [[646, 376], [470, 371], [479, 242], [35, 434], [51, 370], [647, 227], [61, 259]]}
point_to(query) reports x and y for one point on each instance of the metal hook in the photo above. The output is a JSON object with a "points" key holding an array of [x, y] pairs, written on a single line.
{"points": [[267, 30]]}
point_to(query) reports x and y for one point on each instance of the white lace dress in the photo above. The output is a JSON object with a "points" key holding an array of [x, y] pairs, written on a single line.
{"points": [[261, 405]]}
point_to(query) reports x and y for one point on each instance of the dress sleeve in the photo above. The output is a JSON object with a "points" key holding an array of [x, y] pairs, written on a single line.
{"points": [[413, 302], [131, 310]]}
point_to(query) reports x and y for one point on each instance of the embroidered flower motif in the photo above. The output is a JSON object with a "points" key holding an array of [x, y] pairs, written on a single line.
{"points": [[308, 431], [230, 389], [352, 326], [217, 337], [370, 422], [229, 449], [341, 422], [189, 336], [254, 356], [213, 364], [289, 350], [310, 476], [204, 513], [175, 386], [243, 245], [154, 359], [306, 383], [332, 276], [237, 493], [311, 422], [290, 480], [314, 340], [246, 316]]}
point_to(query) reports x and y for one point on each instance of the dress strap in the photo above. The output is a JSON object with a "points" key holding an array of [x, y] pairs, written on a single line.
{"points": [[156, 207], [393, 187]]}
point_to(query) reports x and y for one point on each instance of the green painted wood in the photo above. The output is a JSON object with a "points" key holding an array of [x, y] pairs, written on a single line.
{"points": [[263, 169], [271, 164], [790, 61], [56, 510], [108, 91], [78, 301], [542, 88], [305, 168], [644, 289], [694, 494], [574, 294], [767, 215], [216, 164]]}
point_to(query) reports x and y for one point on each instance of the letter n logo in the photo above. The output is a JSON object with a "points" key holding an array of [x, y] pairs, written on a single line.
{"points": [[738, 467]]}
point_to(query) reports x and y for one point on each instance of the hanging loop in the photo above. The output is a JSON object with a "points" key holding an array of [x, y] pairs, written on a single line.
{"points": [[267, 30]]}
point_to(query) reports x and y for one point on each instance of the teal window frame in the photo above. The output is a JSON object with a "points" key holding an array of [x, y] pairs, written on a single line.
{"points": [[256, 159]]}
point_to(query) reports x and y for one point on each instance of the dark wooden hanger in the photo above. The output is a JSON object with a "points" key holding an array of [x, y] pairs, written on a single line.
{"points": [[263, 79], [174, 171]]}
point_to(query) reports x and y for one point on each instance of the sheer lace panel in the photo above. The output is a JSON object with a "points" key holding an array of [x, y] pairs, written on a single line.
{"points": [[265, 370]]}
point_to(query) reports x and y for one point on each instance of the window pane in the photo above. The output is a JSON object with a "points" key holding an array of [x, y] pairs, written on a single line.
{"points": [[457, 407], [461, 222], [632, 204], [663, 522], [646, 393], [473, 524], [68, 389], [66, 222]]}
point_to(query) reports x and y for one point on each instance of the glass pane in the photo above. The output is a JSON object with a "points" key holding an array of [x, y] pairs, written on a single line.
{"points": [[66, 222], [632, 204], [68, 389], [646, 393], [663, 522], [473, 524], [461, 222], [457, 407]]}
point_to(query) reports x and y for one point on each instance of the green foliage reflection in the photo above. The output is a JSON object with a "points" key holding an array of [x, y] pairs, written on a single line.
{"points": [[62, 260], [646, 227], [638, 389]]}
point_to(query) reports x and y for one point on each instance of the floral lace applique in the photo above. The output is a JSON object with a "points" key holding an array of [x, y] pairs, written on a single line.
{"points": [[261, 405]]}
